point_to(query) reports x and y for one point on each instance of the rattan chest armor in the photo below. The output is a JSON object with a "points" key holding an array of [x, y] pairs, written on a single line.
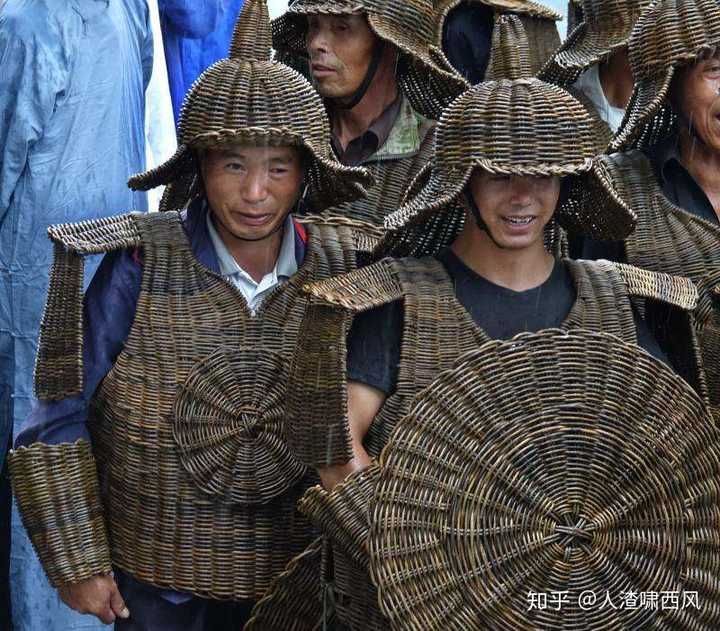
{"points": [[438, 329], [392, 175], [668, 239], [199, 486]]}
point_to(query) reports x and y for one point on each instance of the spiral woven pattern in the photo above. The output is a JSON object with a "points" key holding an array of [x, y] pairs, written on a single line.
{"points": [[524, 127], [554, 462], [607, 25], [230, 439], [424, 74], [671, 33]]}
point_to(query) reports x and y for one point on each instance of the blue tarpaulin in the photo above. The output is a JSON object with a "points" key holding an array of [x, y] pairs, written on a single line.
{"points": [[196, 34], [72, 80]]}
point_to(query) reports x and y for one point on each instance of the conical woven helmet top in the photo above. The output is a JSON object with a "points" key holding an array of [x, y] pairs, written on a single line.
{"points": [[526, 127], [235, 100]]}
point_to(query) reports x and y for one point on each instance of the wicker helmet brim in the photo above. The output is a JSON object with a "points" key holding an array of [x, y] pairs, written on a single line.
{"points": [[424, 74], [670, 34], [649, 116], [523, 127], [525, 463], [586, 46], [260, 103]]}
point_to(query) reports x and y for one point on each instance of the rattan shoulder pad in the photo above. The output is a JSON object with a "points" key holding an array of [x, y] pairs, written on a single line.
{"points": [[98, 235], [642, 283], [361, 289]]}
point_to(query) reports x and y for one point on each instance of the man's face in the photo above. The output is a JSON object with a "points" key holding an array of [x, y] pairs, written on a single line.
{"points": [[251, 189], [340, 49], [698, 99], [514, 209]]}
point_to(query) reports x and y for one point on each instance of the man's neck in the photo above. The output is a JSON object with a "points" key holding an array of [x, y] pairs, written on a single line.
{"points": [[616, 78], [381, 93], [257, 258], [518, 270], [703, 163]]}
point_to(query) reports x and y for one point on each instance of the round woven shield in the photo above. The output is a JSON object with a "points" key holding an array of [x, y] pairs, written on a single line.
{"points": [[553, 481], [228, 426]]}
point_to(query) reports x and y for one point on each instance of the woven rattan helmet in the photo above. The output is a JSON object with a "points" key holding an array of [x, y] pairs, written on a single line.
{"points": [[606, 26], [538, 21], [423, 72], [250, 99], [523, 127], [548, 482], [670, 34]]}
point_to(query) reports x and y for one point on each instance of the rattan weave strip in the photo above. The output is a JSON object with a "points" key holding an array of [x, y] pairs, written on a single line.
{"points": [[606, 26], [250, 99], [538, 23], [671, 240], [424, 74], [58, 371], [342, 516], [294, 600], [510, 58], [524, 127], [551, 462], [670, 34], [707, 318], [56, 488]]}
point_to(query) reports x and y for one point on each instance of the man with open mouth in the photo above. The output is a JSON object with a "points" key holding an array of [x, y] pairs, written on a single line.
{"points": [[383, 82], [154, 477], [473, 267], [670, 171]]}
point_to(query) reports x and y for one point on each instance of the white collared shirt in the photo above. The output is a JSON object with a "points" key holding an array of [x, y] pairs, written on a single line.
{"points": [[589, 84], [255, 292]]}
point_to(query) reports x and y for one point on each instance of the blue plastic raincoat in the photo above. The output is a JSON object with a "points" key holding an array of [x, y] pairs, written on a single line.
{"points": [[196, 34], [72, 81]]}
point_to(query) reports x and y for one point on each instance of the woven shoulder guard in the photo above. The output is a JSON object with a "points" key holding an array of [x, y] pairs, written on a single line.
{"points": [[99, 235], [362, 289], [57, 492], [673, 290], [344, 513], [58, 366]]}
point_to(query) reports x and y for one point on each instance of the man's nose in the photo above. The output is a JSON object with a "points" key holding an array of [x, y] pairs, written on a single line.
{"points": [[255, 187]]}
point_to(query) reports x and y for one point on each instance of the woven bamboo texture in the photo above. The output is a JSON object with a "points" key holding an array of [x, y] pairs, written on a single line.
{"points": [[510, 58], [188, 428], [437, 330], [606, 26], [670, 34], [390, 175], [58, 365], [56, 488], [537, 19], [342, 516], [671, 240], [252, 100], [294, 600], [551, 462], [708, 323], [524, 127], [424, 74]]}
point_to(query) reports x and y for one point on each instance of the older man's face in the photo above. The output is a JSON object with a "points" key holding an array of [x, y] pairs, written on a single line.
{"points": [[340, 49], [697, 96]]}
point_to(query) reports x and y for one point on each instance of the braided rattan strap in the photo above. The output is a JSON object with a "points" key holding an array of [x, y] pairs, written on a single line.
{"points": [[554, 463], [56, 487]]}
